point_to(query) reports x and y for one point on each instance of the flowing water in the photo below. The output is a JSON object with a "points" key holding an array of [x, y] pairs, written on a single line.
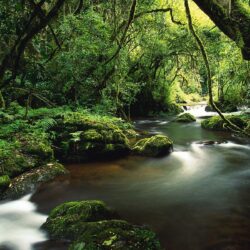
{"points": [[19, 224], [196, 198]]}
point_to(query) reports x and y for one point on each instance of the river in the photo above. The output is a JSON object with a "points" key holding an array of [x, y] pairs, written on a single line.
{"points": [[196, 198]]}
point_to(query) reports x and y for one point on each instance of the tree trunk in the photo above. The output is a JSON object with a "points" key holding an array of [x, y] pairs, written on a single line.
{"points": [[233, 18]]}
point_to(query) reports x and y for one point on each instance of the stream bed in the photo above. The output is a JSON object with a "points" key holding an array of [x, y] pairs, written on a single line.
{"points": [[196, 198]]}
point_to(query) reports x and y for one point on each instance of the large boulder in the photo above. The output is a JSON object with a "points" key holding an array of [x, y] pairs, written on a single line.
{"points": [[116, 235], [92, 225], [66, 220], [185, 118], [79, 138], [155, 146], [28, 181]]}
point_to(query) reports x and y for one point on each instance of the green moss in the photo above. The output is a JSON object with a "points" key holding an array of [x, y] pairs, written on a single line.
{"points": [[92, 135], [81, 137], [67, 219], [91, 225], [154, 146], [4, 182], [216, 123], [116, 234], [23, 152], [185, 118], [37, 144]]}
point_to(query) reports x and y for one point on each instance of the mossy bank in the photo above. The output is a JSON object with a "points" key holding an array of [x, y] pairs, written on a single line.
{"points": [[35, 143]]}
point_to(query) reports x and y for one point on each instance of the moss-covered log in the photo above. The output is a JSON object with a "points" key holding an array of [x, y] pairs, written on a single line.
{"points": [[233, 18]]}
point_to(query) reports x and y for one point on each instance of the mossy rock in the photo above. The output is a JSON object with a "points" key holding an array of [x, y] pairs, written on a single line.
{"points": [[80, 139], [185, 118], [26, 182], [67, 220], [155, 146], [92, 225], [117, 235], [17, 163], [4, 182], [216, 123], [25, 152]]}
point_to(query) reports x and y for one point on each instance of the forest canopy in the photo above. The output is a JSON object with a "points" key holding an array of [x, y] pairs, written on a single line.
{"points": [[120, 57]]}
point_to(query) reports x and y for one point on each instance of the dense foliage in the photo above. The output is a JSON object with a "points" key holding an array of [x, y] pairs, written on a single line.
{"points": [[87, 55]]}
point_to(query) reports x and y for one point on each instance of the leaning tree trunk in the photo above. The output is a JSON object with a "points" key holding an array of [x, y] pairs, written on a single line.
{"points": [[233, 18]]}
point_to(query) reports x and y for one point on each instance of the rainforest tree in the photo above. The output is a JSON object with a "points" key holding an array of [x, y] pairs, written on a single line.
{"points": [[122, 57]]}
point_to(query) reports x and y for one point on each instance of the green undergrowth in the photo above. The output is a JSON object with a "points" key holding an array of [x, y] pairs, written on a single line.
{"points": [[28, 142]]}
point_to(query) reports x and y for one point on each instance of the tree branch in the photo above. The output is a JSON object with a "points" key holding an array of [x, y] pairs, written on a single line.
{"points": [[18, 49], [130, 20], [140, 14]]}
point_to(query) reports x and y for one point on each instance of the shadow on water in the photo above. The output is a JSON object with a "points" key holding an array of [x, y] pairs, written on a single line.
{"points": [[196, 198]]}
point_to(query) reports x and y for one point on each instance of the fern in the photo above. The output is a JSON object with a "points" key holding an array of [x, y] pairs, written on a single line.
{"points": [[45, 124]]}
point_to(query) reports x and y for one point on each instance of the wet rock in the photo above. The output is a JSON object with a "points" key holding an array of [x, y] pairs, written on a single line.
{"points": [[155, 146], [92, 225], [208, 108], [27, 182], [185, 118]]}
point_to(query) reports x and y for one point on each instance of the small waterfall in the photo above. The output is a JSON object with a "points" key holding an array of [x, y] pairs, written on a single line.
{"points": [[198, 111], [19, 224]]}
